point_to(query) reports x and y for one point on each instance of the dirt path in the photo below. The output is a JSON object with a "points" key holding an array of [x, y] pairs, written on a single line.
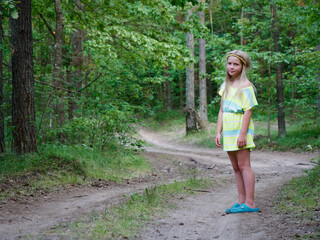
{"points": [[202, 216], [198, 217]]}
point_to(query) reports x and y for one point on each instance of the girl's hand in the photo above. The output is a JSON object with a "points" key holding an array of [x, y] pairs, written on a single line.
{"points": [[242, 140], [218, 138]]}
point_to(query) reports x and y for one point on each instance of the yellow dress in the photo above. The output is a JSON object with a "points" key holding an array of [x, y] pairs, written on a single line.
{"points": [[233, 109]]}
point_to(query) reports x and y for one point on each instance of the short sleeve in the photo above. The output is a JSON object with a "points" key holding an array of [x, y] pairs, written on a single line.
{"points": [[248, 98], [221, 89]]}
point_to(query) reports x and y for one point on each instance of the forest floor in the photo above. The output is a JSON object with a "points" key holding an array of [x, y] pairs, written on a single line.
{"points": [[199, 216]]}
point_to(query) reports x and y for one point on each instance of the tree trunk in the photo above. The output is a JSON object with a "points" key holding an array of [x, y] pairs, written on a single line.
{"points": [[167, 90], [23, 106], [181, 84], [318, 77], [278, 67], [76, 75], [2, 139], [269, 99], [211, 22], [57, 70], [241, 36], [190, 103], [202, 74]]}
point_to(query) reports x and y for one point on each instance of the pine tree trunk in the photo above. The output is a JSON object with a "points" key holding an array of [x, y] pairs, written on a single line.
{"points": [[2, 138], [278, 67], [318, 77], [202, 74], [76, 75], [57, 70], [211, 22], [167, 90], [190, 103], [181, 85], [23, 102]]}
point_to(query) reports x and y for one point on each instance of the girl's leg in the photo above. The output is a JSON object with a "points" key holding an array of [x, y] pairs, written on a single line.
{"points": [[239, 177], [243, 160]]}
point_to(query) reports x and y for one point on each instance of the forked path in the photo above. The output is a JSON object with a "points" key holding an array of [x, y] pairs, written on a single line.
{"points": [[201, 217]]}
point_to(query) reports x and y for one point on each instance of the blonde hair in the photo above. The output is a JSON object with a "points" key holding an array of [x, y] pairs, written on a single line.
{"points": [[246, 64]]}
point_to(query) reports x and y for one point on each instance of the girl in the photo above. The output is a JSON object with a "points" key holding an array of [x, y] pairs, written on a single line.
{"points": [[238, 99]]}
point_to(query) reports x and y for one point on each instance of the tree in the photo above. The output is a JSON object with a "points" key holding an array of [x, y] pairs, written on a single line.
{"points": [[278, 67], [2, 139], [190, 103], [57, 70], [202, 73], [23, 101]]}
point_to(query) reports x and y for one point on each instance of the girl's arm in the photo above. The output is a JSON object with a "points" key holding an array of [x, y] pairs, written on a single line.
{"points": [[242, 139], [219, 126]]}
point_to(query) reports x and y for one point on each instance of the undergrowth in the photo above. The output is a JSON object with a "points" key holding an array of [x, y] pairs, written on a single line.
{"points": [[300, 201], [56, 165]]}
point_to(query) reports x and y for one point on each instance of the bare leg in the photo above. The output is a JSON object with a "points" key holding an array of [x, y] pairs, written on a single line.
{"points": [[248, 178], [239, 177]]}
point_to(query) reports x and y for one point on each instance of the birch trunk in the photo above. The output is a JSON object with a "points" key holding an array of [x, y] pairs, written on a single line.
{"points": [[190, 103]]}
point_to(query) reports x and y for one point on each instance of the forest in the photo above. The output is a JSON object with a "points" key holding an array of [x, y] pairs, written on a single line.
{"points": [[84, 73], [80, 78]]}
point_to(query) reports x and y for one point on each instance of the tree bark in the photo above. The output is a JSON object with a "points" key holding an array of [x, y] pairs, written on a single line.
{"points": [[181, 85], [190, 103], [76, 75], [278, 68], [57, 70], [211, 22], [2, 138], [202, 74], [241, 37], [23, 102], [318, 77], [167, 98]]}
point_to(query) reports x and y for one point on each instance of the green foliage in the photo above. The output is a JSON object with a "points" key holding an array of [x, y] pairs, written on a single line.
{"points": [[299, 199], [130, 48]]}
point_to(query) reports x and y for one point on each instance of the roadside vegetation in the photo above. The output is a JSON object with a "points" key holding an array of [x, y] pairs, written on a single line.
{"points": [[57, 165], [299, 199]]}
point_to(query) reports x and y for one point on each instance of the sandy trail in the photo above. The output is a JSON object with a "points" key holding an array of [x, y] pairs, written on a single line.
{"points": [[198, 217]]}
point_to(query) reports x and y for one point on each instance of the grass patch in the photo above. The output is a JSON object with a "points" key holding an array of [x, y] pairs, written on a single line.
{"points": [[300, 201], [56, 165], [125, 221], [301, 137], [166, 121]]}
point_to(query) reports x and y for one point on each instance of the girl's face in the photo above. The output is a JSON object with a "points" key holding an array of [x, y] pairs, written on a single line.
{"points": [[234, 67]]}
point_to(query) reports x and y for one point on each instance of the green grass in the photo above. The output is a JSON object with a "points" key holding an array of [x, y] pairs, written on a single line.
{"points": [[301, 137], [56, 165], [124, 221], [168, 120], [300, 201]]}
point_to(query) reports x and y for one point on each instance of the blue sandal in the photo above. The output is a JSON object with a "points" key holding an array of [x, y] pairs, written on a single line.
{"points": [[228, 210], [244, 208]]}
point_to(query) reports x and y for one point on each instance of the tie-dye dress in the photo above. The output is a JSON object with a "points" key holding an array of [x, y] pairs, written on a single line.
{"points": [[233, 110]]}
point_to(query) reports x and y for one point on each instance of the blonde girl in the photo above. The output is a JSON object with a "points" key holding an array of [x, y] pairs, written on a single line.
{"points": [[235, 124]]}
